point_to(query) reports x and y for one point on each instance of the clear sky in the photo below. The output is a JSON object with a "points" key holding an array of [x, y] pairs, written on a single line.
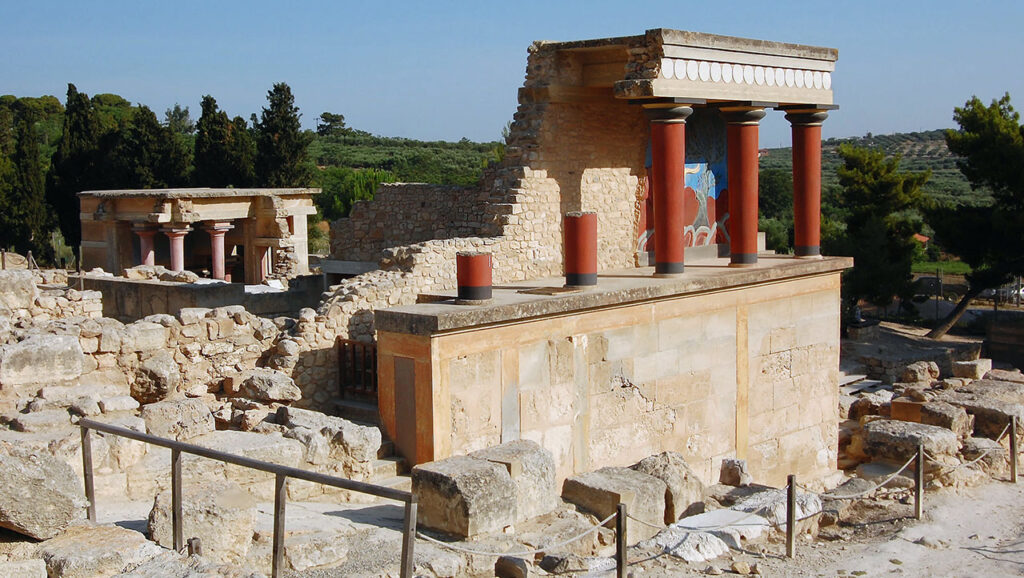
{"points": [[445, 70]]}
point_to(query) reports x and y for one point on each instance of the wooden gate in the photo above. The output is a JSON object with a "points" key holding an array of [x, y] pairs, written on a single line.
{"points": [[357, 370]]}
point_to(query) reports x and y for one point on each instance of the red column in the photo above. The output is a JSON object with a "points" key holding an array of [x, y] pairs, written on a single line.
{"points": [[741, 144], [473, 272], [177, 237], [668, 151], [217, 231], [807, 181], [146, 252], [580, 249]]}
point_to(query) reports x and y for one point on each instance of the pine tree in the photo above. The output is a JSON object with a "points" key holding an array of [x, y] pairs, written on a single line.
{"points": [[280, 143]]}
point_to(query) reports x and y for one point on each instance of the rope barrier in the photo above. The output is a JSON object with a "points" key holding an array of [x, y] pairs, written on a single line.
{"points": [[862, 493], [948, 469], [518, 554]]}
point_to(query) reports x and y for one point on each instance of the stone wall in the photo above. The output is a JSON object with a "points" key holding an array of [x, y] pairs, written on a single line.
{"points": [[750, 374]]}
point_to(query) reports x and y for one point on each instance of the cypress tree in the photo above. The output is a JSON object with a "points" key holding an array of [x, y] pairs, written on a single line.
{"points": [[73, 163], [26, 216], [280, 143]]}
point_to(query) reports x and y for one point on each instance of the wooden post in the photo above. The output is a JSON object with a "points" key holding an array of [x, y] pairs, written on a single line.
{"points": [[280, 497], [919, 483], [176, 521], [90, 493], [1013, 449], [791, 517], [409, 538], [620, 541]]}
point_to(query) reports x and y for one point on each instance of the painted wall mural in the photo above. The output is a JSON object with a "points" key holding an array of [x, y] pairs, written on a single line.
{"points": [[705, 185]]}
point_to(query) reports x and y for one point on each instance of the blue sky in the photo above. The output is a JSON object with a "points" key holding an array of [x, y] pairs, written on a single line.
{"points": [[447, 69]]}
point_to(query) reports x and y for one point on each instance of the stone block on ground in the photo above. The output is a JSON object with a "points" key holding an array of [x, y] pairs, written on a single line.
{"points": [[875, 403], [118, 403], [994, 461], [268, 385], [688, 545], [221, 514], [532, 469], [348, 440], [684, 486], [41, 421], [156, 378], [734, 473], [181, 419], [37, 361], [1014, 376], [772, 505], [600, 493], [898, 440], [32, 568], [737, 529], [464, 496], [273, 448], [86, 551], [920, 371], [39, 495], [975, 369], [307, 551]]}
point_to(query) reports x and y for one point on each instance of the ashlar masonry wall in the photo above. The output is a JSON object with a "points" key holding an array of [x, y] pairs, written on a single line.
{"points": [[748, 372]]}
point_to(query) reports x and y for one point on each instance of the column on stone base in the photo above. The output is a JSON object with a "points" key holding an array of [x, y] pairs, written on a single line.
{"points": [[147, 254], [177, 236], [217, 230], [668, 152], [741, 144], [807, 180]]}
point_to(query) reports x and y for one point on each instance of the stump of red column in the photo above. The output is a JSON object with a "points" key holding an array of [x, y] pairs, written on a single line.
{"points": [[580, 249], [473, 272]]}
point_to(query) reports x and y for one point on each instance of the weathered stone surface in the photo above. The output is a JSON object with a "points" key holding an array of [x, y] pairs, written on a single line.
{"points": [[124, 452], [772, 504], [898, 440], [118, 403], [684, 486], [39, 494], [945, 415], [156, 378], [875, 403], [192, 315], [181, 419], [464, 496], [533, 472], [145, 336], [33, 568], [976, 369], [737, 529], [688, 545], [41, 421], [1004, 375], [269, 385], [220, 513], [734, 473], [86, 551], [348, 440], [920, 371], [178, 276], [39, 360], [307, 551], [600, 493], [272, 448], [995, 455], [17, 289]]}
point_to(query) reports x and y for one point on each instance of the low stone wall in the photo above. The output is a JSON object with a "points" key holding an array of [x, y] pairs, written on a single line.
{"points": [[604, 380]]}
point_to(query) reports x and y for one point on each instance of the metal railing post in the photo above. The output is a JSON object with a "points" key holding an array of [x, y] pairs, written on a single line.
{"points": [[919, 483], [409, 538], [620, 540], [90, 492], [280, 498], [1013, 449], [176, 515], [791, 517]]}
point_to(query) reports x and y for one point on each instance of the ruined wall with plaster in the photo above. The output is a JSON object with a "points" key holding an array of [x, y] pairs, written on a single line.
{"points": [[748, 373]]}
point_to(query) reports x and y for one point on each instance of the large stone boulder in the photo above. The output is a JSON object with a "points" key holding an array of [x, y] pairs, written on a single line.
{"points": [[180, 419], [464, 496], [86, 551], [532, 469], [347, 440], [17, 289], [39, 360], [270, 385], [156, 378], [898, 440], [975, 369], [684, 487], [920, 371], [39, 494], [601, 492], [220, 513]]}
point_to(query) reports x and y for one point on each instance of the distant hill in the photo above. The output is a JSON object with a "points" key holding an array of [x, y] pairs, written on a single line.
{"points": [[919, 151]]}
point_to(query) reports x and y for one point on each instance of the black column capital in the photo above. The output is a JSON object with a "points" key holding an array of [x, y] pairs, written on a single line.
{"points": [[672, 114], [807, 118]]}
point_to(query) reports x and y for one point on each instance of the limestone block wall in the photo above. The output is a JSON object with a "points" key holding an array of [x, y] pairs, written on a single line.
{"points": [[749, 373]]}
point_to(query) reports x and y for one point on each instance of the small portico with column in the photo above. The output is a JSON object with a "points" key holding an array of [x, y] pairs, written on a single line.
{"points": [[215, 230]]}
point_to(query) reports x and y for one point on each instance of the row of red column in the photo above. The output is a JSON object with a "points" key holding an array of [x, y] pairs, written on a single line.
{"points": [[668, 148], [176, 235]]}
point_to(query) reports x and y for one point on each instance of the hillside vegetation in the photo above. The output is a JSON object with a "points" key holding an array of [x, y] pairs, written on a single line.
{"points": [[919, 151]]}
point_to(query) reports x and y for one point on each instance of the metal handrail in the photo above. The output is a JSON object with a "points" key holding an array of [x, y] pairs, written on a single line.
{"points": [[282, 473]]}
